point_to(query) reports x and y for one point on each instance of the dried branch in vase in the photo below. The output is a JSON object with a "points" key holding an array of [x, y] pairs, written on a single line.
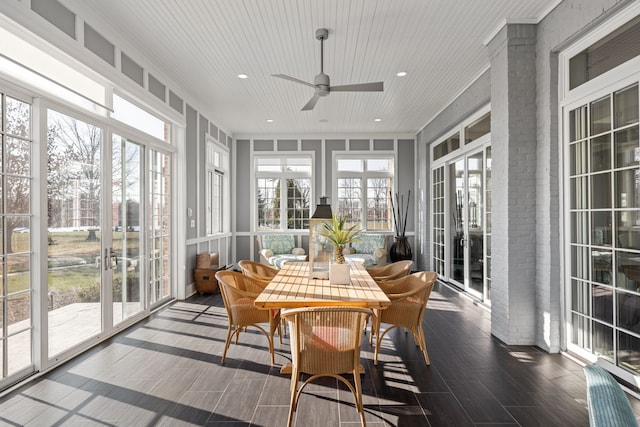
{"points": [[400, 211]]}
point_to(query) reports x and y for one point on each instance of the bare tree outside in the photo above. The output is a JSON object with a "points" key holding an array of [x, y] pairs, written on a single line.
{"points": [[378, 206], [74, 175], [17, 171], [349, 199]]}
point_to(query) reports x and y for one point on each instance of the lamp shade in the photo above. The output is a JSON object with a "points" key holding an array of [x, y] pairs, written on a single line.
{"points": [[320, 250], [323, 210]]}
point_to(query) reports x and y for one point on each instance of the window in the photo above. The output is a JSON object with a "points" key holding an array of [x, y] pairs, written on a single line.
{"points": [[364, 187], [479, 128], [217, 170], [447, 146], [604, 224], [604, 55], [134, 116], [278, 176]]}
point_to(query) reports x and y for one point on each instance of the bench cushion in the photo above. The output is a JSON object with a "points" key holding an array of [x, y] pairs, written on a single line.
{"points": [[279, 260], [368, 243], [278, 243], [367, 260]]}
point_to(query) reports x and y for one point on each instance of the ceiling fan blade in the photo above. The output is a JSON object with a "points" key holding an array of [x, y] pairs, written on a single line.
{"points": [[312, 103], [358, 87], [293, 79]]}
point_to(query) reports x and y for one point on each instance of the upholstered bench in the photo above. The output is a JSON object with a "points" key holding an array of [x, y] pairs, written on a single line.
{"points": [[370, 250], [608, 404], [278, 248]]}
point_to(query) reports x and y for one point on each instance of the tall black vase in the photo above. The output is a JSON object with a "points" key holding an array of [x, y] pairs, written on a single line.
{"points": [[401, 249]]}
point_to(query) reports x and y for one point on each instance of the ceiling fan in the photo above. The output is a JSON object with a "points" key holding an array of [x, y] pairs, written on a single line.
{"points": [[321, 81]]}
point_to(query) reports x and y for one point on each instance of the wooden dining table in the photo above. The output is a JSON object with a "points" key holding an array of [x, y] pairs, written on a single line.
{"points": [[293, 287]]}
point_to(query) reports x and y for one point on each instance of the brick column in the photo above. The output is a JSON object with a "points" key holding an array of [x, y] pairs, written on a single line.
{"points": [[513, 140]]}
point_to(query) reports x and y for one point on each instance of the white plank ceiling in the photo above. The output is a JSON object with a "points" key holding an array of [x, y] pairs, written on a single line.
{"points": [[202, 46]]}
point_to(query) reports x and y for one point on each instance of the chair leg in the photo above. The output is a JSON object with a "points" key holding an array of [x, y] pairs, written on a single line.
{"points": [[358, 396], [379, 337], [378, 341], [227, 343], [373, 326], [423, 345], [294, 395], [271, 350]]}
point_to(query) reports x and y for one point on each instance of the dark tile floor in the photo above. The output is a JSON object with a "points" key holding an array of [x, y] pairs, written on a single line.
{"points": [[166, 371]]}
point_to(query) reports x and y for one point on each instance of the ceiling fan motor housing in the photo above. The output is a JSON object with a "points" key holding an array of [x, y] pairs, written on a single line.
{"points": [[321, 82]]}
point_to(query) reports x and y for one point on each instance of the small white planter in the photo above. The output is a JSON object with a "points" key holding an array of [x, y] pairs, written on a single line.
{"points": [[339, 274]]}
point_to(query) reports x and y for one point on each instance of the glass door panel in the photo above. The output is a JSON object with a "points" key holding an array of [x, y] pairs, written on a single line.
{"points": [[438, 215], [16, 328], [127, 218], [74, 222], [467, 230], [159, 227], [475, 230], [457, 227]]}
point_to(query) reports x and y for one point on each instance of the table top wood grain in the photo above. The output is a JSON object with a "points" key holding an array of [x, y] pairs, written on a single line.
{"points": [[292, 288]]}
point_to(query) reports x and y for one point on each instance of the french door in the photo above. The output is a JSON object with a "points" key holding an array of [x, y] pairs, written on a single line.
{"points": [[103, 246], [127, 243], [461, 203]]}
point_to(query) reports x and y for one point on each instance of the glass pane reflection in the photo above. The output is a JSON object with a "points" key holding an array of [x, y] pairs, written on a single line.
{"points": [[629, 352], [626, 147], [579, 192], [601, 115], [581, 330], [601, 153], [580, 296], [601, 227], [625, 105], [628, 311], [602, 299], [603, 341], [628, 269], [601, 266], [628, 230], [601, 191], [627, 188]]}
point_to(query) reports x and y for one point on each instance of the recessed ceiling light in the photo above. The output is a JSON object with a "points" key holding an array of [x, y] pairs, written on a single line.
{"points": [[269, 120], [243, 76], [401, 74], [377, 120]]}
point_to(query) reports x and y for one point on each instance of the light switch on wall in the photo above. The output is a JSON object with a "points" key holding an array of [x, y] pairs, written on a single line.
{"points": [[193, 223], [190, 213]]}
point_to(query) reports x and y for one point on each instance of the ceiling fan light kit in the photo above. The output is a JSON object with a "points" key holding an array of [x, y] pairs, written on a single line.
{"points": [[322, 83]]}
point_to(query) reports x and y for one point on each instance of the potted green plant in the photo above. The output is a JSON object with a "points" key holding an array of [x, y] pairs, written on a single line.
{"points": [[339, 235]]}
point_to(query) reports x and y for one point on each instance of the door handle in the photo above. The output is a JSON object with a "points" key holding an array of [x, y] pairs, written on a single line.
{"points": [[106, 259], [113, 257]]}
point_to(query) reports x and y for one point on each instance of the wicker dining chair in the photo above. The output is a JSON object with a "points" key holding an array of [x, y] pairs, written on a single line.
{"points": [[391, 271], [257, 270], [264, 274], [239, 293], [325, 341], [409, 296]]}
